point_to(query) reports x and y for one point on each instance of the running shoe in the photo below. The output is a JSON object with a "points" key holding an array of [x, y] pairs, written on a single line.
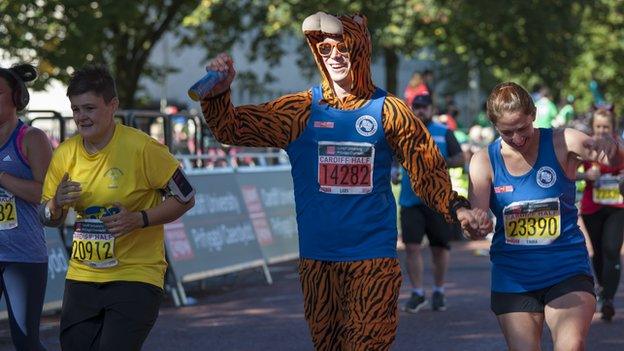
{"points": [[607, 310], [438, 302], [415, 303]]}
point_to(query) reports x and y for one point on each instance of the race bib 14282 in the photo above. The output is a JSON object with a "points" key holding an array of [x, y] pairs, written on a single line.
{"points": [[345, 167]]}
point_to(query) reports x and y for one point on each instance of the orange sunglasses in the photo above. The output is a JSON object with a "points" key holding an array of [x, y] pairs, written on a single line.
{"points": [[325, 49]]}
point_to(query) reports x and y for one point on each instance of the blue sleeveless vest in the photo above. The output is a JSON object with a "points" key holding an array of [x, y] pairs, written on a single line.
{"points": [[537, 242], [407, 197], [26, 241], [341, 174]]}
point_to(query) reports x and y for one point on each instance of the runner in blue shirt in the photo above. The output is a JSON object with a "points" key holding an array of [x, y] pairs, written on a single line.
{"points": [[540, 264]]}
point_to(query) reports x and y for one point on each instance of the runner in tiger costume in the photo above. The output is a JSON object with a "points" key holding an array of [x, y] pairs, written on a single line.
{"points": [[341, 137]]}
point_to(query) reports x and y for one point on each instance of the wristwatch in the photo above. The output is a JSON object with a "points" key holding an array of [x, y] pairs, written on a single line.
{"points": [[47, 213]]}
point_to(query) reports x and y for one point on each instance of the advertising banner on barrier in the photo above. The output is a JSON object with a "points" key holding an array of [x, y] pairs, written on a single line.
{"points": [[269, 199], [57, 269], [216, 236]]}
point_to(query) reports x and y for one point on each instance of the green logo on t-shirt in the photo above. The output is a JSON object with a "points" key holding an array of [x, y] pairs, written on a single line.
{"points": [[114, 174]]}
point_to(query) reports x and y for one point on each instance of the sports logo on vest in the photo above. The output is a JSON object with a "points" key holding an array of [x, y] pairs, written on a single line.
{"points": [[366, 125], [546, 177]]}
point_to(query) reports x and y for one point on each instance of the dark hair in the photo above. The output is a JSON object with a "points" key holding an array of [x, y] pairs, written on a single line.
{"points": [[16, 77], [509, 97], [92, 78]]}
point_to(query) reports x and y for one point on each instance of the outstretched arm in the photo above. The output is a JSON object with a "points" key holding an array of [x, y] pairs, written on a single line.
{"points": [[579, 146], [272, 124]]}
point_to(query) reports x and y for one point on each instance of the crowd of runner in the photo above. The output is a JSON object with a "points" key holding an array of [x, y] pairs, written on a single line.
{"points": [[347, 140]]}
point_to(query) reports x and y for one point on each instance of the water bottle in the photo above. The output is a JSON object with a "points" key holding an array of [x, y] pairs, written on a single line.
{"points": [[203, 86]]}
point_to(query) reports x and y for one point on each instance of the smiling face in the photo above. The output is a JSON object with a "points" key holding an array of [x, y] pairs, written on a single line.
{"points": [[337, 61], [93, 116], [516, 130], [601, 125]]}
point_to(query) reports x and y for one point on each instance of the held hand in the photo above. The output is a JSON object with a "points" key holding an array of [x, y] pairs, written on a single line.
{"points": [[475, 223], [602, 149], [223, 63], [67, 192], [123, 222]]}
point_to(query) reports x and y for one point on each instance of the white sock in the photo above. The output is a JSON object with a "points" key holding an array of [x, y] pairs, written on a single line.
{"points": [[439, 289]]}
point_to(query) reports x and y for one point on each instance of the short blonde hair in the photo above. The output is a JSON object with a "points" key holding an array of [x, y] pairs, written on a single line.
{"points": [[509, 97]]}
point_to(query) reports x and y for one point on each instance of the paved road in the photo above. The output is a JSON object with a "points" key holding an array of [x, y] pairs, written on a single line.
{"points": [[242, 313]]}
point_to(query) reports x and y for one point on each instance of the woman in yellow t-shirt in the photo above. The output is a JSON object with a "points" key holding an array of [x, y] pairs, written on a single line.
{"points": [[114, 177]]}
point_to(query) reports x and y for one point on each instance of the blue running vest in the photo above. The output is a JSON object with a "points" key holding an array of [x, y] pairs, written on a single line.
{"points": [[24, 242], [407, 197], [537, 242], [341, 174]]}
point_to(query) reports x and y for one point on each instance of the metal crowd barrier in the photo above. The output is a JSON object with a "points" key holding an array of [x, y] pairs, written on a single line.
{"points": [[243, 218], [244, 215]]}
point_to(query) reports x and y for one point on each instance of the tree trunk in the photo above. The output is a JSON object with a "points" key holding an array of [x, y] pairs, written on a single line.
{"points": [[127, 83], [392, 66]]}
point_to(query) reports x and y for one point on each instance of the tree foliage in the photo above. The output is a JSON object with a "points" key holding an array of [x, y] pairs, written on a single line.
{"points": [[602, 57], [563, 44], [62, 35]]}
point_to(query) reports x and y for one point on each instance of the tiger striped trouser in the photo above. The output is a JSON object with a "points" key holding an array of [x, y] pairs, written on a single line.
{"points": [[351, 306]]}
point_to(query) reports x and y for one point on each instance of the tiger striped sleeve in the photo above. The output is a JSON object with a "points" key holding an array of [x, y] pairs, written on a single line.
{"points": [[416, 151], [272, 124]]}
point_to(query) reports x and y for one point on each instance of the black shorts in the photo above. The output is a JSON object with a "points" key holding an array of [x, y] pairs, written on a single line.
{"points": [[416, 221], [534, 301], [108, 316]]}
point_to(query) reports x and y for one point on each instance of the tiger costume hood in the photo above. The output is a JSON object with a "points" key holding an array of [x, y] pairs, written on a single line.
{"points": [[279, 122], [353, 30]]}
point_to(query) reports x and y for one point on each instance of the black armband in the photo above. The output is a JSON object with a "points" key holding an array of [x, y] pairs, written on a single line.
{"points": [[456, 204], [145, 219], [180, 187]]}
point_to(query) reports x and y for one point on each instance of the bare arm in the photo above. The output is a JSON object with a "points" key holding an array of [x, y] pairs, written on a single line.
{"points": [[167, 211], [574, 146], [38, 152], [272, 124], [480, 183]]}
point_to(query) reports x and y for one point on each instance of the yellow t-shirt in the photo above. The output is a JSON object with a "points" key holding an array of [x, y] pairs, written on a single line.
{"points": [[130, 170]]}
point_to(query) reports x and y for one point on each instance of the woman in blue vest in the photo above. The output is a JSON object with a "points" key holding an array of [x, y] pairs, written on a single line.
{"points": [[25, 153], [540, 264]]}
